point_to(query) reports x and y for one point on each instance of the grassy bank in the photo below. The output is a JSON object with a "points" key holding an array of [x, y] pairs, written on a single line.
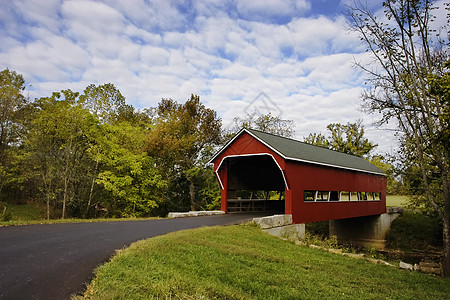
{"points": [[58, 221], [28, 214], [396, 200], [241, 262], [19, 212]]}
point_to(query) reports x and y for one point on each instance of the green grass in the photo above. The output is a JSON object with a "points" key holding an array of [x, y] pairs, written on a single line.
{"points": [[242, 262], [396, 200], [28, 214], [19, 212], [58, 221]]}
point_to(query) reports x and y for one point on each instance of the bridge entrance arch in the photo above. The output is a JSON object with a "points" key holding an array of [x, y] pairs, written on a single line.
{"points": [[255, 182]]}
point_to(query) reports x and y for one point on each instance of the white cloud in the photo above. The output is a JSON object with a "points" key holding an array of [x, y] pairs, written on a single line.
{"points": [[152, 15], [170, 49], [267, 10], [153, 56], [95, 15], [44, 13]]}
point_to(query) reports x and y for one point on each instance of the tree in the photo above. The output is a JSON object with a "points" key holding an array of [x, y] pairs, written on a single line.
{"points": [[347, 138], [394, 187], [317, 139], [56, 147], [181, 140], [264, 122], [106, 102], [128, 173], [108, 105], [409, 84], [12, 101]]}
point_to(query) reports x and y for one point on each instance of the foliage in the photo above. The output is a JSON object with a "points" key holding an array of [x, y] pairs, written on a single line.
{"points": [[12, 100], [411, 86], [12, 103], [415, 231], [19, 212], [318, 228], [263, 122], [77, 160], [347, 138], [394, 186], [241, 262], [128, 173], [56, 146], [106, 102], [181, 142], [84, 155]]}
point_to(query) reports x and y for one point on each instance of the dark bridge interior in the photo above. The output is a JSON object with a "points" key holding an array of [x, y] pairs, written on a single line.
{"points": [[255, 183]]}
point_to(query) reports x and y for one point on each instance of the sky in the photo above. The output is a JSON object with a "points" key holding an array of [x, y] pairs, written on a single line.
{"points": [[292, 58]]}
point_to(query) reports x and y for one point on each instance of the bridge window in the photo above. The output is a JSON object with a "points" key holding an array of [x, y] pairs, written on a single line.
{"points": [[308, 196], [345, 196], [322, 195], [327, 196], [334, 196]]}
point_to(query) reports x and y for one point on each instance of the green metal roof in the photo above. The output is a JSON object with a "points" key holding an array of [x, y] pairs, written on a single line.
{"points": [[291, 149]]}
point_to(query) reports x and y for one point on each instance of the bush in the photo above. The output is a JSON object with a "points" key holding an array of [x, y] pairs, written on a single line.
{"points": [[318, 228], [415, 231], [6, 214]]}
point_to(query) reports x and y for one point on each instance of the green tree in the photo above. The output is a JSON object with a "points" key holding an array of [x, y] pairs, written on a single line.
{"points": [[347, 138], [106, 102], [56, 148], [409, 84], [180, 141], [12, 102], [317, 139], [128, 172], [394, 187], [264, 122]]}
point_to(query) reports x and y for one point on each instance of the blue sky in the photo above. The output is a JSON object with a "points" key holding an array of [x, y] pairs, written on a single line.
{"points": [[298, 53]]}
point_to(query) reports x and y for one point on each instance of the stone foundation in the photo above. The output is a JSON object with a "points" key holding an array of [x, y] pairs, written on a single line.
{"points": [[281, 226], [195, 213]]}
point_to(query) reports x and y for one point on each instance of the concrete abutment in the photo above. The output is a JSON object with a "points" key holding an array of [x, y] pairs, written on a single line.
{"points": [[281, 226], [365, 231]]}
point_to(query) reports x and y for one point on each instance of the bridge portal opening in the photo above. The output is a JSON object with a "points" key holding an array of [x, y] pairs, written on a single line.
{"points": [[255, 183]]}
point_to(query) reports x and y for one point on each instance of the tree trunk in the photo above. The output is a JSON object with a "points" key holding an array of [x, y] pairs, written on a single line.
{"points": [[446, 237], [192, 194], [66, 183], [47, 187], [91, 191], [48, 207]]}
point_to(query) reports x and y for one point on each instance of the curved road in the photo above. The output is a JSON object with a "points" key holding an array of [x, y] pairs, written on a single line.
{"points": [[55, 261]]}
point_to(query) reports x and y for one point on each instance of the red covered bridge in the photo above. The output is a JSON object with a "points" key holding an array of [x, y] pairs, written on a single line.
{"points": [[261, 171]]}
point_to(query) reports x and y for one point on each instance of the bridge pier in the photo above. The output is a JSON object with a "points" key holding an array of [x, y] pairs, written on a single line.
{"points": [[365, 231]]}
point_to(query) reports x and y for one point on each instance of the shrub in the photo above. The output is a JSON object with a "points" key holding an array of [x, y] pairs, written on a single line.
{"points": [[415, 231]]}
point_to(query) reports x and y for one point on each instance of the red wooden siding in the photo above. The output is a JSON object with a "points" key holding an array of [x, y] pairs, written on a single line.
{"points": [[304, 176], [301, 177]]}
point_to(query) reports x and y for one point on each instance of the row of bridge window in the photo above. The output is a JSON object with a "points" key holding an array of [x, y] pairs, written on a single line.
{"points": [[320, 196]]}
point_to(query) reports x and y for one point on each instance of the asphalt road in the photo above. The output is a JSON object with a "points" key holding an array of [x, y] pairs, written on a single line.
{"points": [[55, 261]]}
